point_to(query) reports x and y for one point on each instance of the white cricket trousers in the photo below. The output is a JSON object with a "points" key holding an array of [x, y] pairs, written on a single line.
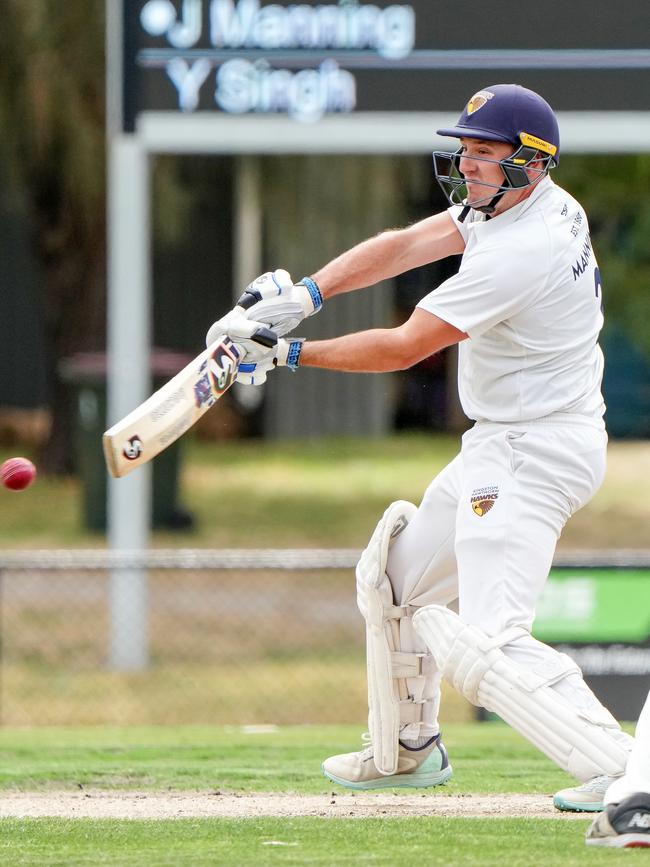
{"points": [[485, 533], [637, 773]]}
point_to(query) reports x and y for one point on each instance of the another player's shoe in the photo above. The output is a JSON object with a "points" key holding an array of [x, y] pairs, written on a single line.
{"points": [[623, 826], [417, 768], [587, 798]]}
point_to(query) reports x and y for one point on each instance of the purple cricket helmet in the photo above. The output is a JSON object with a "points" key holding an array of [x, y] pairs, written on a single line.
{"points": [[509, 113], [503, 113]]}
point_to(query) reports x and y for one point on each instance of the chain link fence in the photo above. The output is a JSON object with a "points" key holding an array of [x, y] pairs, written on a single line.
{"points": [[215, 637], [241, 637]]}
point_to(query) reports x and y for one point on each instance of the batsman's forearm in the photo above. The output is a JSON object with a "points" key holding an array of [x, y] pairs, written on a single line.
{"points": [[376, 259], [391, 253], [376, 351]]}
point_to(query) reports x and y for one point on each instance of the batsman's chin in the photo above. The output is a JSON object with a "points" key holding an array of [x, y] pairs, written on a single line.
{"points": [[477, 195]]}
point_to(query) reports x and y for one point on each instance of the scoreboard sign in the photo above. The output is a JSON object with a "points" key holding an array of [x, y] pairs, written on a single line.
{"points": [[586, 613], [308, 59]]}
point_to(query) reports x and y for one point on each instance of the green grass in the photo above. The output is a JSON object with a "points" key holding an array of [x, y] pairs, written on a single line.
{"points": [[488, 757], [186, 694], [325, 493], [315, 493], [431, 842]]}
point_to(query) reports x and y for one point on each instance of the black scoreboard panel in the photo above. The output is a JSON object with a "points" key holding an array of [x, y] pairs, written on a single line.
{"points": [[570, 90], [307, 59]]}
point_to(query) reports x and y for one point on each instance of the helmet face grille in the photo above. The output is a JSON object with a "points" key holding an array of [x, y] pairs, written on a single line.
{"points": [[446, 168], [516, 167], [520, 169]]}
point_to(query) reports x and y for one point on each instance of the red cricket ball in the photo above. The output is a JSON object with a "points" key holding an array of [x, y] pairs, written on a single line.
{"points": [[17, 474]]}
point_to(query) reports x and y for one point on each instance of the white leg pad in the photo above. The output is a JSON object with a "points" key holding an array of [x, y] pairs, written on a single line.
{"points": [[584, 744], [396, 677]]}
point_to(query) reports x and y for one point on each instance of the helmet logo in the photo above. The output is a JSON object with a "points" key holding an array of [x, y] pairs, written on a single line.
{"points": [[539, 144], [478, 101]]}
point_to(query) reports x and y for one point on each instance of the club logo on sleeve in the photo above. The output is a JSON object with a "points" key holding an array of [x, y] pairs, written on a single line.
{"points": [[478, 101], [483, 499]]}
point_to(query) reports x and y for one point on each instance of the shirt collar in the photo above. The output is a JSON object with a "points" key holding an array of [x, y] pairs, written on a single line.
{"points": [[541, 188], [512, 214]]}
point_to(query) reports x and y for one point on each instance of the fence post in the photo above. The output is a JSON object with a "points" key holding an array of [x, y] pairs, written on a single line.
{"points": [[129, 384]]}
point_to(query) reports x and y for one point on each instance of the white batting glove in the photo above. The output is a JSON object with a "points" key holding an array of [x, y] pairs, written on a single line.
{"points": [[274, 299], [255, 342], [255, 372], [235, 318], [259, 346], [286, 353]]}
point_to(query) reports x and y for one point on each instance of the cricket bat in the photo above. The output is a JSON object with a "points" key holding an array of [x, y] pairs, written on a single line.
{"points": [[173, 409]]}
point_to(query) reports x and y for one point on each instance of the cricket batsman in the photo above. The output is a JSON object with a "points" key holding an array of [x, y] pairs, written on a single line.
{"points": [[449, 588]]}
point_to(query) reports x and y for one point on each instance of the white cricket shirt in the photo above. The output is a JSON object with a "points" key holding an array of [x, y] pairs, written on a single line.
{"points": [[528, 295]]}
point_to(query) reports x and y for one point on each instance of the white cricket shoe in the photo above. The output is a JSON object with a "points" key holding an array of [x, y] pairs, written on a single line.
{"points": [[417, 768], [587, 798], [623, 826]]}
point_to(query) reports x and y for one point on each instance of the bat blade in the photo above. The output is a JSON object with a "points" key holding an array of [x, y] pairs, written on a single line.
{"points": [[172, 410]]}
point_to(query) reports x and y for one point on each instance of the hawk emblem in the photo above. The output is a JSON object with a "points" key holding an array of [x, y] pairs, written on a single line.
{"points": [[482, 506], [478, 101], [483, 499]]}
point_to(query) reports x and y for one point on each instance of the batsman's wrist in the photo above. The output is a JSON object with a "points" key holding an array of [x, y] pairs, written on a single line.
{"points": [[314, 292], [288, 354]]}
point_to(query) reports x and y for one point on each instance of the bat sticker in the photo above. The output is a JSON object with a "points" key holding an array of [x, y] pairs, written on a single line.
{"points": [[222, 367], [133, 448], [203, 395]]}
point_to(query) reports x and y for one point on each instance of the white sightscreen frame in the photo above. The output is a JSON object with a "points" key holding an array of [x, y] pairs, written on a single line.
{"points": [[366, 133], [129, 281]]}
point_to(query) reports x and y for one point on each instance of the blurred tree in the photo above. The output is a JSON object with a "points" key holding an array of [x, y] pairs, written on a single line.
{"points": [[613, 190], [52, 120]]}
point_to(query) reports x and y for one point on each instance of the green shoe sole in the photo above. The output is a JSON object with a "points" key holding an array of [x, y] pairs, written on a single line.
{"points": [[577, 807], [396, 781]]}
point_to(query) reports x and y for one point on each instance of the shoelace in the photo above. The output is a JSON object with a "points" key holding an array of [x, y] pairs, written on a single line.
{"points": [[597, 784], [366, 744]]}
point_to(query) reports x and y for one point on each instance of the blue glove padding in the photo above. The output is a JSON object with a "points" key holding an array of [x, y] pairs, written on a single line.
{"points": [[254, 372]]}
